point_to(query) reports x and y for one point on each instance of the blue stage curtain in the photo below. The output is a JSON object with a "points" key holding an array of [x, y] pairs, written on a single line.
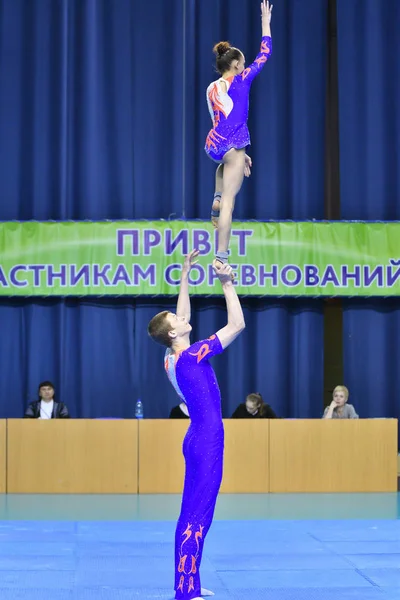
{"points": [[372, 355], [369, 108], [101, 360], [103, 116], [90, 109], [287, 107], [103, 112]]}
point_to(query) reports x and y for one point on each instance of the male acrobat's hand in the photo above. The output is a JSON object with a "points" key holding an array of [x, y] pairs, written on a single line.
{"points": [[223, 272], [190, 260]]}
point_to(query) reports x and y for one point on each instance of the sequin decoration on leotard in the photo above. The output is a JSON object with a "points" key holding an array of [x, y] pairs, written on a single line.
{"points": [[203, 448], [230, 110]]}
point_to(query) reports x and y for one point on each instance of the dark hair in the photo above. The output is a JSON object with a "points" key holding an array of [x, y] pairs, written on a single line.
{"points": [[46, 384], [225, 54], [159, 328]]}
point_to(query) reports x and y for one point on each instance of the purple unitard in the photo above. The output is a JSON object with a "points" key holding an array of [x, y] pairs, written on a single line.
{"points": [[229, 110], [203, 448]]}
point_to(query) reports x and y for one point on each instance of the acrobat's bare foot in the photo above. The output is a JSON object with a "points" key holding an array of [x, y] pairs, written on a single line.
{"points": [[218, 264], [215, 209]]}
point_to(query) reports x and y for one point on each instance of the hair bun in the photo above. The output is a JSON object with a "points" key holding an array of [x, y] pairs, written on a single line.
{"points": [[220, 48]]}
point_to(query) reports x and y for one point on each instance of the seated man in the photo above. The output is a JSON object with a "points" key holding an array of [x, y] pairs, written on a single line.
{"points": [[46, 407], [338, 408]]}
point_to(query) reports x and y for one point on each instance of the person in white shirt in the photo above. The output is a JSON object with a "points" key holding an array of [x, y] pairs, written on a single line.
{"points": [[46, 407]]}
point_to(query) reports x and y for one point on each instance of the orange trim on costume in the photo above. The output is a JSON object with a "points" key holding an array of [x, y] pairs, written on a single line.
{"points": [[193, 567], [176, 355], [215, 101], [260, 61], [213, 137], [181, 566], [199, 534], [188, 533], [182, 562], [202, 353], [265, 47]]}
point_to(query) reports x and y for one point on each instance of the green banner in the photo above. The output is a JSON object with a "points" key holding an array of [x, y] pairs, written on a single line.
{"points": [[145, 257]]}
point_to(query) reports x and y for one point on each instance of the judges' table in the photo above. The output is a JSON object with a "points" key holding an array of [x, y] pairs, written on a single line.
{"points": [[161, 465], [72, 456], [280, 456], [333, 455], [261, 456], [3, 455]]}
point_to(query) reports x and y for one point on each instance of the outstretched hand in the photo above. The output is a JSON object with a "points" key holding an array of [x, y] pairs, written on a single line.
{"points": [[190, 260], [223, 272], [266, 10]]}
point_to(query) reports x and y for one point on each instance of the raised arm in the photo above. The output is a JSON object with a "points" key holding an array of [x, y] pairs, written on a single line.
{"points": [[266, 14], [236, 323], [328, 413], [266, 44], [183, 306]]}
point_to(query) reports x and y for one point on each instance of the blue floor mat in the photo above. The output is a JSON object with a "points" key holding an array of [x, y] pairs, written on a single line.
{"points": [[254, 559]]}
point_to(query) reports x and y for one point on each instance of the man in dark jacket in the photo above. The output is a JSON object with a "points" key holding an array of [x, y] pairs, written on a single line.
{"points": [[46, 407]]}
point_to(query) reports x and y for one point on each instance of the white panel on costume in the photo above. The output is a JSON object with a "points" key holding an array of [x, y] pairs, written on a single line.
{"points": [[210, 109], [170, 367], [218, 99]]}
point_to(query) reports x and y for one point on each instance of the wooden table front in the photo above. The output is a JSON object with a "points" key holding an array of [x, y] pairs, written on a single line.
{"points": [[161, 464], [261, 456], [3, 455], [72, 456], [332, 455]]}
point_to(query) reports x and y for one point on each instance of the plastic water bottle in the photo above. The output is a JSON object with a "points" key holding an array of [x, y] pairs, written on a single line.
{"points": [[139, 410]]}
